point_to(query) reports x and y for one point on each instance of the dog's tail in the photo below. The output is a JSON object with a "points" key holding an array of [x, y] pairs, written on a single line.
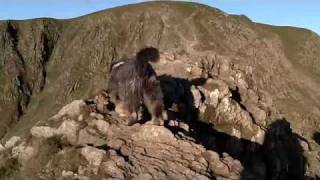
{"points": [[148, 54], [145, 55]]}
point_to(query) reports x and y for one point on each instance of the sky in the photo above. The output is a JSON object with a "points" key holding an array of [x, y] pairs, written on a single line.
{"points": [[299, 13]]}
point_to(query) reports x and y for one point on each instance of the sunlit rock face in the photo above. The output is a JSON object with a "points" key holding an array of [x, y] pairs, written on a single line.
{"points": [[241, 97]]}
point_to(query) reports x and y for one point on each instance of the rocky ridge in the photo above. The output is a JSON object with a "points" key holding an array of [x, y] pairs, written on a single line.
{"points": [[245, 91], [86, 139], [79, 144]]}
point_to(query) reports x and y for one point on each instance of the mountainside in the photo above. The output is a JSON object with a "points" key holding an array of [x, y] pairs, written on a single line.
{"points": [[255, 76]]}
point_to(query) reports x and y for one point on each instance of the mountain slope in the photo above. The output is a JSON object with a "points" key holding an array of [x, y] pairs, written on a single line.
{"points": [[272, 71]]}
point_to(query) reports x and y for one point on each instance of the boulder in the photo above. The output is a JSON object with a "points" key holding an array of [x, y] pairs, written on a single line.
{"points": [[14, 140], [43, 132], [69, 130], [86, 137], [74, 109]]}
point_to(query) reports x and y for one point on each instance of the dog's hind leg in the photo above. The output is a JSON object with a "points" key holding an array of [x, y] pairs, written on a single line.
{"points": [[155, 109], [133, 110]]}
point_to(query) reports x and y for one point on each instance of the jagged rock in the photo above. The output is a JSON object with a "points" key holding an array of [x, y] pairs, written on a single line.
{"points": [[96, 115], [153, 133], [69, 129], [144, 176], [80, 177], [74, 109], [23, 153], [111, 168], [231, 116], [85, 137], [102, 101], [43, 132], [252, 96], [241, 82], [101, 125], [67, 174], [149, 151], [94, 157], [211, 156], [120, 161], [2, 148], [258, 114], [259, 137], [12, 142], [216, 84], [115, 143]]}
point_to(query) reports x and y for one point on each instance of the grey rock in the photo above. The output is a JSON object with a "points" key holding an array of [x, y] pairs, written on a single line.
{"points": [[74, 109], [12, 142], [43, 132], [69, 129], [111, 168], [85, 137]]}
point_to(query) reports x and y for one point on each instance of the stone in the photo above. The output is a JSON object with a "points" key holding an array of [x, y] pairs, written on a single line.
{"points": [[101, 102], [252, 96], [23, 153], [74, 109], [43, 131], [79, 177], [259, 137], [112, 169], [258, 114], [120, 162], [102, 126], [67, 174], [154, 134], [2, 148], [115, 143], [211, 156], [144, 176], [87, 138], [69, 130], [93, 155], [219, 168], [96, 115], [224, 68], [213, 98], [81, 117], [12, 142]]}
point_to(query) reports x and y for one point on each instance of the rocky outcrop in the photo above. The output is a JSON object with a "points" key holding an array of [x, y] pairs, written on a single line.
{"points": [[241, 97], [111, 150], [83, 142]]}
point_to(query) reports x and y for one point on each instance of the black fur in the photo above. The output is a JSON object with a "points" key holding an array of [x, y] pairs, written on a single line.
{"points": [[133, 82]]}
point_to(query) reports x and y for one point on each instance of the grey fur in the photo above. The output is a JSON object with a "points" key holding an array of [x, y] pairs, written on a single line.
{"points": [[134, 82]]}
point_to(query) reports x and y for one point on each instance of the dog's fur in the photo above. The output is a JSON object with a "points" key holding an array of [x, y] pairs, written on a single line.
{"points": [[133, 82]]}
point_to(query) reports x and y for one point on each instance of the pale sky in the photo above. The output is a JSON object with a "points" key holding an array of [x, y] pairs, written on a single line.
{"points": [[300, 13]]}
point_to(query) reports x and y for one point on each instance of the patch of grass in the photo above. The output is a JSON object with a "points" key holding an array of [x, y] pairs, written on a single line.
{"points": [[55, 144], [9, 168], [2, 78]]}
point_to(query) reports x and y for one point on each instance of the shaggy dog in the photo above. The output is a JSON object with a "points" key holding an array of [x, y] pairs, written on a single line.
{"points": [[133, 83]]}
